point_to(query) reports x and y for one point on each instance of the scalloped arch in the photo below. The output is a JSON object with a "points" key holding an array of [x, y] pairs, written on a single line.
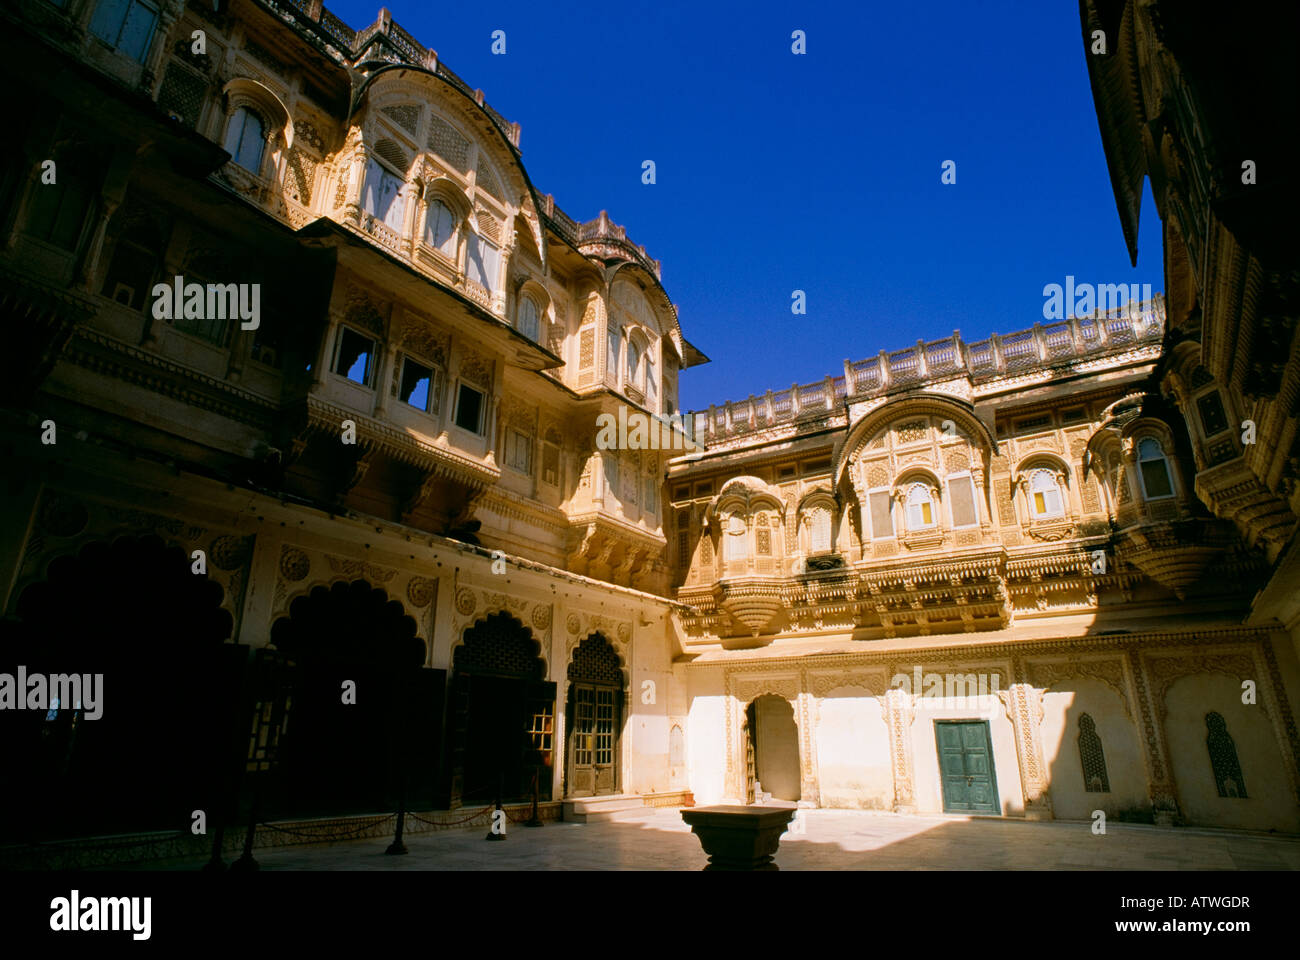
{"points": [[960, 412]]}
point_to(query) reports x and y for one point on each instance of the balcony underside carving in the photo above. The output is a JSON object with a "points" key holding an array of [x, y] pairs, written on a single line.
{"points": [[601, 547]]}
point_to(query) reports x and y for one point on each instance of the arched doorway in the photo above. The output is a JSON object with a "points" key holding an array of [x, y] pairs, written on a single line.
{"points": [[501, 718], [594, 715], [772, 748], [360, 715], [132, 612]]}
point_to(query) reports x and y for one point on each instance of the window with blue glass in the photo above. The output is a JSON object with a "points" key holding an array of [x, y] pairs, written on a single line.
{"points": [[126, 25]]}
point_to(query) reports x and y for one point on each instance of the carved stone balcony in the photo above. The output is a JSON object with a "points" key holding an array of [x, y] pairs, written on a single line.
{"points": [[751, 601], [1175, 553]]}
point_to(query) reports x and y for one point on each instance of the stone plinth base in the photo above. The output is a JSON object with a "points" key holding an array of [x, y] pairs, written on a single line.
{"points": [[739, 837]]}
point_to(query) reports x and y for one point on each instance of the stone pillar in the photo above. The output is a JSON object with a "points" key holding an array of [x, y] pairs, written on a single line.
{"points": [[805, 709], [1160, 781], [1024, 707], [900, 713], [385, 357], [111, 196], [259, 596], [559, 660], [356, 186]]}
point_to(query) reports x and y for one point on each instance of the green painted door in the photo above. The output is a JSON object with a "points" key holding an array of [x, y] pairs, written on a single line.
{"points": [[966, 766]]}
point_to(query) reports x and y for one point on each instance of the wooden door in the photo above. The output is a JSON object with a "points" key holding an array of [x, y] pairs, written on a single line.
{"points": [[966, 766], [595, 712]]}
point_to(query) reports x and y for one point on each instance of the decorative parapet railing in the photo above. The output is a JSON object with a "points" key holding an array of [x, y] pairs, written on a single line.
{"points": [[1041, 346], [604, 238], [385, 40], [561, 222], [598, 238]]}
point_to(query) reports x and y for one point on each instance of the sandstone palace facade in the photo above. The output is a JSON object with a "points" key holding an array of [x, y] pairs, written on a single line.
{"points": [[302, 390]]}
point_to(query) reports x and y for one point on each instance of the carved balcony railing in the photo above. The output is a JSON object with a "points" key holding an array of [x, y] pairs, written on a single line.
{"points": [[1042, 346], [602, 238], [385, 234]]}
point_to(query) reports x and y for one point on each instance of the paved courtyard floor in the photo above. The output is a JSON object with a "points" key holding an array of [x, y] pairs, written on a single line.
{"points": [[829, 840]]}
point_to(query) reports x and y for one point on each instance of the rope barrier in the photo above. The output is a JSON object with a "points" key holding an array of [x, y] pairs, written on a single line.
{"points": [[319, 836], [450, 823]]}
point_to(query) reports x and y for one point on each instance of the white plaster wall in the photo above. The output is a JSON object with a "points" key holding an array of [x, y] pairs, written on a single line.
{"points": [[706, 742], [1270, 804], [927, 787], [647, 728], [1125, 764], [853, 764]]}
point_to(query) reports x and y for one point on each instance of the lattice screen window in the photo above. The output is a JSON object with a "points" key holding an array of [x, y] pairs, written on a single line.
{"points": [[583, 724], [1223, 758], [487, 180], [961, 499], [446, 142], [1092, 757], [182, 94], [819, 530], [604, 725], [407, 116]]}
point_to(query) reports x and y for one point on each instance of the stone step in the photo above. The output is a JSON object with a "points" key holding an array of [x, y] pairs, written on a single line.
{"points": [[598, 809]]}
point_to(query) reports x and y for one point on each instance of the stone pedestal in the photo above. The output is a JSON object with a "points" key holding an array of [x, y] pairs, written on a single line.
{"points": [[739, 837]]}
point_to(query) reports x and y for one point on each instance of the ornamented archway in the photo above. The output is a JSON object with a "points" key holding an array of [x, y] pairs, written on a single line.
{"points": [[772, 748], [594, 718], [357, 692], [147, 738], [501, 716]]}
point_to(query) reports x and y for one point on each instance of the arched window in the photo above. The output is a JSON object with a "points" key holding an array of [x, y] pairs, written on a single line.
{"points": [[1044, 496], [384, 197], [633, 362], [612, 346], [440, 228], [735, 540], [1092, 757], [920, 507], [246, 139], [651, 382], [528, 324], [819, 530], [482, 262], [1153, 467]]}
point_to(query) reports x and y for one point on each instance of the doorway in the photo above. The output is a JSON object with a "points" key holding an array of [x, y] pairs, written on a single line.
{"points": [[501, 716], [595, 712], [772, 748], [966, 766]]}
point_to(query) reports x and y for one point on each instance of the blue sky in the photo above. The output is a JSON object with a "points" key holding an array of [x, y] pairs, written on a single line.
{"points": [[819, 172]]}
